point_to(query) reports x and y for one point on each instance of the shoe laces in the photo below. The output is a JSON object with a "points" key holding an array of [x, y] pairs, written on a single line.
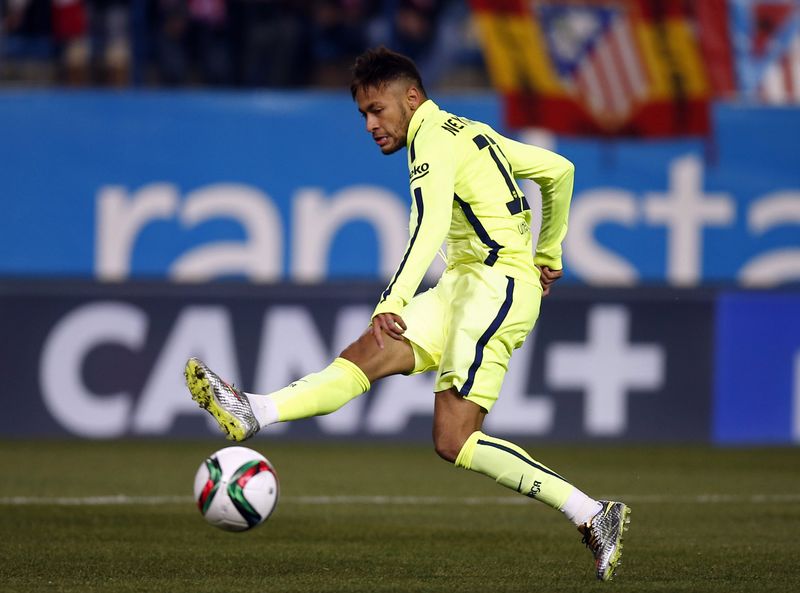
{"points": [[590, 538]]}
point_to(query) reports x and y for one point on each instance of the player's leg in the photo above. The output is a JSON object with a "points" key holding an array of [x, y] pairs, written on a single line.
{"points": [[601, 522], [347, 377], [491, 317], [362, 363], [240, 415], [394, 358], [458, 438]]}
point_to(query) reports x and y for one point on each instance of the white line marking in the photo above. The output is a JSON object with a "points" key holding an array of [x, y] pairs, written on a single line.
{"points": [[123, 500], [116, 500]]}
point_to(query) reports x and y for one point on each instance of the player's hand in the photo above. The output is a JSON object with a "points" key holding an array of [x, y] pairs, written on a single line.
{"points": [[548, 278], [390, 323]]}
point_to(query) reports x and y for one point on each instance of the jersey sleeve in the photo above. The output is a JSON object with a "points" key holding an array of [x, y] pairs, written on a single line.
{"points": [[432, 188], [555, 175]]}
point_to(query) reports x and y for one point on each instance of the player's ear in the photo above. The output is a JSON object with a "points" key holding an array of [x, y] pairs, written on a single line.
{"points": [[414, 97]]}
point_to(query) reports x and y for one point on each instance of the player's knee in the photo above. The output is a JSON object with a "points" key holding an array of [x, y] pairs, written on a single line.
{"points": [[362, 351], [395, 357], [448, 444]]}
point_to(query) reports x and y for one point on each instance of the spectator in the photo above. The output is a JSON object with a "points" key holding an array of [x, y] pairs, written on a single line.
{"points": [[70, 34], [27, 50], [250, 43], [193, 42], [340, 34], [415, 24], [110, 41], [272, 42]]}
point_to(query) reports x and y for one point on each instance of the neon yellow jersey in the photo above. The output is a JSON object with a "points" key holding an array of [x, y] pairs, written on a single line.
{"points": [[463, 188]]}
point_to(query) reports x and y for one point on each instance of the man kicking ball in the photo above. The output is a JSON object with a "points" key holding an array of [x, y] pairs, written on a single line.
{"points": [[464, 191]]}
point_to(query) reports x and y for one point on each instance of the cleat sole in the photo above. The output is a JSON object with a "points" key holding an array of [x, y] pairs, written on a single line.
{"points": [[203, 394]]}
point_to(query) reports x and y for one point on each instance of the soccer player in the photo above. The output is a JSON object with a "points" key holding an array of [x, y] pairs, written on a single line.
{"points": [[462, 175]]}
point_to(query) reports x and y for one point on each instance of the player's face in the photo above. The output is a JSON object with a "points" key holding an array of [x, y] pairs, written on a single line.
{"points": [[387, 111]]}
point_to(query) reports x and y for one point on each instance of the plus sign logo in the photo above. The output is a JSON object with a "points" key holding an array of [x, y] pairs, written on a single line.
{"points": [[607, 368]]}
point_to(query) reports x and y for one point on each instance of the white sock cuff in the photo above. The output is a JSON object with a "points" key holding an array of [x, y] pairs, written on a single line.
{"points": [[579, 508], [264, 409]]}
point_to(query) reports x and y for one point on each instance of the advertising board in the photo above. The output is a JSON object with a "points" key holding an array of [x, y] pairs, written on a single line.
{"points": [[106, 360], [288, 187]]}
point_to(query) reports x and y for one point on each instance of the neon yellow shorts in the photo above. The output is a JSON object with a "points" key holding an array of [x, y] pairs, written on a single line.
{"points": [[467, 326]]}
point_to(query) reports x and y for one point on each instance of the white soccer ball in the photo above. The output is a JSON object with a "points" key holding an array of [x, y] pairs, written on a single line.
{"points": [[236, 489]]}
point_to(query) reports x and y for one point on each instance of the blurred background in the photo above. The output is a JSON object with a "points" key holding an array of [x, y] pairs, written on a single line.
{"points": [[191, 177], [231, 43]]}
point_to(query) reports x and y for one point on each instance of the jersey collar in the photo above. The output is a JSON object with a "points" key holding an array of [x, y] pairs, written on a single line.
{"points": [[421, 113]]}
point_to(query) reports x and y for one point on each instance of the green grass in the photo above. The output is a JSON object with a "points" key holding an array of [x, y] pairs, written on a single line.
{"points": [[678, 542]]}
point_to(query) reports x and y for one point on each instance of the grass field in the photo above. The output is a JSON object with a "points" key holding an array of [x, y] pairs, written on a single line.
{"points": [[386, 517]]}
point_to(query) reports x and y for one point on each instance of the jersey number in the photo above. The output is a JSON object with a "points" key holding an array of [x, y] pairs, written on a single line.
{"points": [[518, 201]]}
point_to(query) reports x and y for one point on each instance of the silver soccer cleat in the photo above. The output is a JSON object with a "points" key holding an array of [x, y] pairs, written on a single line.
{"points": [[226, 403], [603, 536]]}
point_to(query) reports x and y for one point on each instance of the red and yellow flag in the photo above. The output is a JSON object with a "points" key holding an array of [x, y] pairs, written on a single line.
{"points": [[631, 67]]}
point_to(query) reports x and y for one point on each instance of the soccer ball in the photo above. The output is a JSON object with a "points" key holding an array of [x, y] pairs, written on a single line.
{"points": [[236, 489]]}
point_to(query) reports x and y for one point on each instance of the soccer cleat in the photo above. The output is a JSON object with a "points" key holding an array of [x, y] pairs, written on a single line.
{"points": [[602, 534], [227, 404]]}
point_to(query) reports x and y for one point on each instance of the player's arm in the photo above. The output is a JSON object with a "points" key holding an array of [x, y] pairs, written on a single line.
{"points": [[555, 175], [432, 190]]}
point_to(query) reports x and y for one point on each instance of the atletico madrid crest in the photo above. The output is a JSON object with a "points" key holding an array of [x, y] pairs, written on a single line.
{"points": [[597, 57]]}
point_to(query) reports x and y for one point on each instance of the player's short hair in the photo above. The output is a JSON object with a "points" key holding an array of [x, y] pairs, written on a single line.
{"points": [[378, 66]]}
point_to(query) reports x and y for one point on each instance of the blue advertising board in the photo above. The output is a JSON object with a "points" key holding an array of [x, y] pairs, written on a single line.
{"points": [[289, 187], [757, 392], [686, 212]]}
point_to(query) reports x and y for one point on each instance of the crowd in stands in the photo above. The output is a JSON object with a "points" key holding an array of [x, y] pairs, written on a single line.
{"points": [[229, 43]]}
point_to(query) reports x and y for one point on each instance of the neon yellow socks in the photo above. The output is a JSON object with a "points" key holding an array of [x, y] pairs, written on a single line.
{"points": [[328, 390], [512, 467], [313, 395]]}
